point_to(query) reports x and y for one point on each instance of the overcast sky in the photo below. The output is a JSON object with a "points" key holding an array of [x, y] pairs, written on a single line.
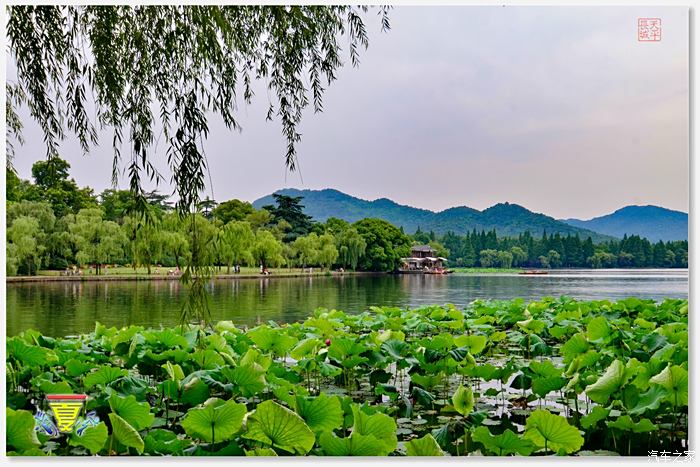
{"points": [[559, 109]]}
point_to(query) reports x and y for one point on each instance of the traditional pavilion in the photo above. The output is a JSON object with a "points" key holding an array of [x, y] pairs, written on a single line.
{"points": [[423, 259]]}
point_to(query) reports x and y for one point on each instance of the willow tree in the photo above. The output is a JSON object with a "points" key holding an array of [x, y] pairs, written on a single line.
{"points": [[145, 69]]}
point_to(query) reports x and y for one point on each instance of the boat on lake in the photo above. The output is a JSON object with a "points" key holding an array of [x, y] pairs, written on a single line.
{"points": [[533, 272]]}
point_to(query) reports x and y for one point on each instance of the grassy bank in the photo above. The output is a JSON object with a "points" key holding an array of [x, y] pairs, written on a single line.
{"points": [[487, 270], [162, 273], [497, 378]]}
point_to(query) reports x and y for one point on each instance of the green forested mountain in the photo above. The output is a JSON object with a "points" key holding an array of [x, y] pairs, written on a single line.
{"points": [[507, 219], [652, 222]]}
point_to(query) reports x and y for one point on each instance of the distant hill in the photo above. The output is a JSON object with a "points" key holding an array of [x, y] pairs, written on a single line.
{"points": [[508, 219], [653, 222]]}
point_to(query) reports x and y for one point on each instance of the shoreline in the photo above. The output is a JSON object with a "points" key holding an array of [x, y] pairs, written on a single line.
{"points": [[296, 275], [160, 277]]}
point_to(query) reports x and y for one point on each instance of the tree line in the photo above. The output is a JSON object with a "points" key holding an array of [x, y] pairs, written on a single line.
{"points": [[54, 224], [486, 249]]}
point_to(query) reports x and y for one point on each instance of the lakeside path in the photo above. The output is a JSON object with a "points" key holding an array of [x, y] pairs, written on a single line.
{"points": [[165, 277], [53, 276]]}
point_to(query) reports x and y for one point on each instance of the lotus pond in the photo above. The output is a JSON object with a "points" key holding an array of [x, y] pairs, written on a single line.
{"points": [[551, 377]]}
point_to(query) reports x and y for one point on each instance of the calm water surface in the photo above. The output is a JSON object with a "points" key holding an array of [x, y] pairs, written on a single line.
{"points": [[66, 308]]}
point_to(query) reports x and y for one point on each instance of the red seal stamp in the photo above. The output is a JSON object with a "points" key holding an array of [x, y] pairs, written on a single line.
{"points": [[649, 29]]}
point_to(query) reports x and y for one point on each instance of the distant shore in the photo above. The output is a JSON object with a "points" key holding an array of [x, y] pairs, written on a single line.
{"points": [[123, 274], [165, 277]]}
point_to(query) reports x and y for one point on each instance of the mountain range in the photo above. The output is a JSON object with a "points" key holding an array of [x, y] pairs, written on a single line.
{"points": [[506, 218], [653, 222]]}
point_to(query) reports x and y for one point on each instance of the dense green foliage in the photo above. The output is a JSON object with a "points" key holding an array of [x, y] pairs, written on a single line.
{"points": [[486, 249], [556, 376], [109, 230], [112, 231]]}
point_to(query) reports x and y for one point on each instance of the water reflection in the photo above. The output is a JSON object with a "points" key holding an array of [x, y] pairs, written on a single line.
{"points": [[64, 308]]}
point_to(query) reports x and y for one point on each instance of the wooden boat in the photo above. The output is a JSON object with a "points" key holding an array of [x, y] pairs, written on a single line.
{"points": [[532, 272]]}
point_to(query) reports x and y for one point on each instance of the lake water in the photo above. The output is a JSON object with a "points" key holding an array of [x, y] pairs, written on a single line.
{"points": [[66, 308]]}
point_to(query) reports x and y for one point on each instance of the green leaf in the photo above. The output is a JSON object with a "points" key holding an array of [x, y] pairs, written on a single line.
{"points": [[650, 400], [174, 371], [463, 400], [597, 414], [354, 445], [216, 421], [274, 340], [136, 414], [167, 338], [33, 452], [277, 426], [545, 369], [475, 342], [29, 355], [50, 387], [625, 423], [425, 446], [93, 438], [196, 392], [545, 429], [532, 326], [20, 430], [503, 444], [125, 433], [208, 359], [427, 381], [104, 376], [675, 380], [598, 329], [543, 386], [611, 381], [379, 425], [261, 452], [575, 346], [322, 413], [249, 379], [305, 348], [164, 442], [395, 349], [498, 336], [75, 367]]}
